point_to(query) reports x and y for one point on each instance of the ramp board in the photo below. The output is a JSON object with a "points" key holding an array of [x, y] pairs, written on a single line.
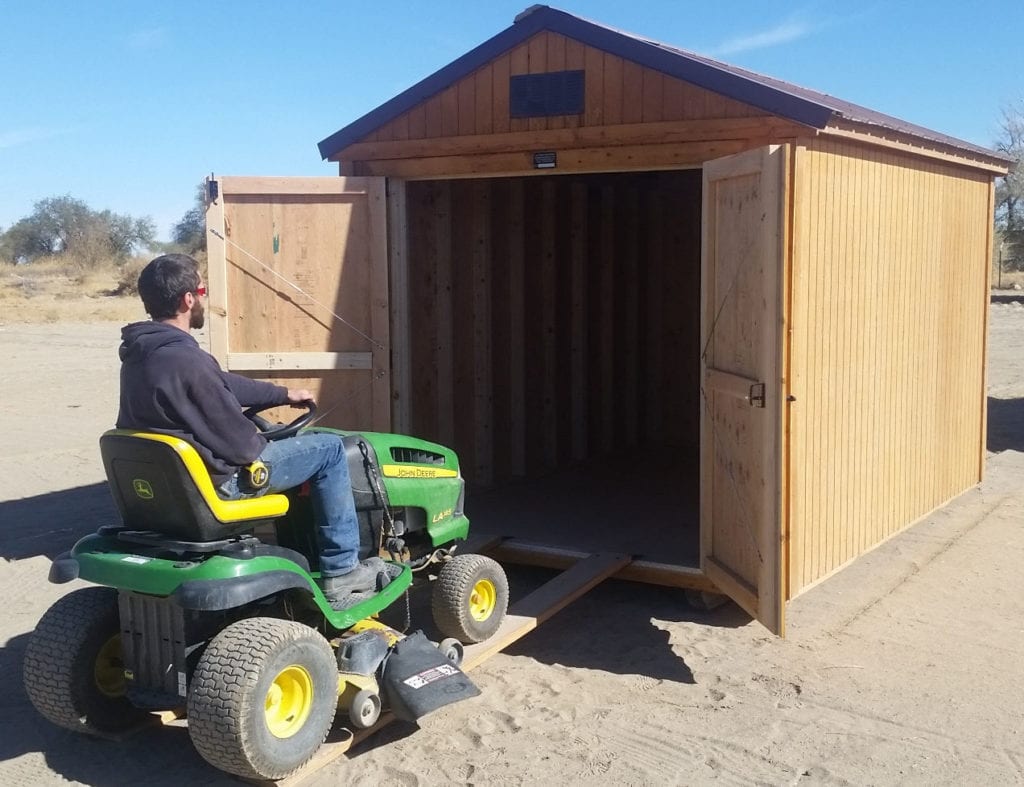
{"points": [[523, 617]]}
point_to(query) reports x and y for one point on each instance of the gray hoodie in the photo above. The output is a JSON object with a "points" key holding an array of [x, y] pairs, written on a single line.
{"points": [[172, 386]]}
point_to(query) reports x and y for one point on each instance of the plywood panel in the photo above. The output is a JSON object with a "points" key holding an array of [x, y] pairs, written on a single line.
{"points": [[558, 283], [888, 325], [305, 263]]}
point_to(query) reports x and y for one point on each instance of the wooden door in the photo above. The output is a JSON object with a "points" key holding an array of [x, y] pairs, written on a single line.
{"points": [[741, 341], [298, 290]]}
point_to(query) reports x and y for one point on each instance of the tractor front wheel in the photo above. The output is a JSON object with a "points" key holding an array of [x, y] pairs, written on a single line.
{"points": [[73, 670], [470, 598], [263, 698]]}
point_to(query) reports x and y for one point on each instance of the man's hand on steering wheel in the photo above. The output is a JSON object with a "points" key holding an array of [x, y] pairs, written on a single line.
{"points": [[270, 431], [299, 396]]}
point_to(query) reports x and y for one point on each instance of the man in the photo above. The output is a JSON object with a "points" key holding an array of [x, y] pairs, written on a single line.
{"points": [[171, 386]]}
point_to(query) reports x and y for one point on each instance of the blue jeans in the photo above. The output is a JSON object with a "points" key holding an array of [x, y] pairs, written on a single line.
{"points": [[320, 459]]}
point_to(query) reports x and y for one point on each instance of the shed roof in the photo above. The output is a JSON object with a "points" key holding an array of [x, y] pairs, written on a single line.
{"points": [[783, 99]]}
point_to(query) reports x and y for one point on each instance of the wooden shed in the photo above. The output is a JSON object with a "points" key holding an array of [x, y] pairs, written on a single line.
{"points": [[659, 304]]}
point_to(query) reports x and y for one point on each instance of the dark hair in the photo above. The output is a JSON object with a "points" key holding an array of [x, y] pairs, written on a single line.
{"points": [[164, 280]]}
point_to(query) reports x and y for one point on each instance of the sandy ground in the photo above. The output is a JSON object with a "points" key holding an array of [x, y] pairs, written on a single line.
{"points": [[905, 668]]}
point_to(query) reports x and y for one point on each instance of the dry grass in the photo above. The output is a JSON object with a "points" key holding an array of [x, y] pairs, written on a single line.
{"points": [[50, 290], [1008, 280]]}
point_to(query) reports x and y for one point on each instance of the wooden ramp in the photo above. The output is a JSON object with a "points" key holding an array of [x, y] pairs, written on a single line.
{"points": [[522, 618]]}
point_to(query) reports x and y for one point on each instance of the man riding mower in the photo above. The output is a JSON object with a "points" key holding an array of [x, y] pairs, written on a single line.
{"points": [[216, 605]]}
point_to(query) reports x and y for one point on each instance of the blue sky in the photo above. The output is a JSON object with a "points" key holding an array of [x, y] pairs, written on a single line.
{"points": [[128, 105]]}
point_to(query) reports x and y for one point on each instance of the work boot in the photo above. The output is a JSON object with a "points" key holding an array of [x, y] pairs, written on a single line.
{"points": [[368, 577]]}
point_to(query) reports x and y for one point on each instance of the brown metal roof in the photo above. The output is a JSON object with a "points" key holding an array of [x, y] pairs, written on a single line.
{"points": [[799, 104]]}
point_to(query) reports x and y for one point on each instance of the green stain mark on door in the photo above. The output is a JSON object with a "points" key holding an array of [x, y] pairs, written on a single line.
{"points": [[277, 243]]}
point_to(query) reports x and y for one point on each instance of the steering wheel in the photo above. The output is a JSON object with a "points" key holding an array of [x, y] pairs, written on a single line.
{"points": [[280, 431]]}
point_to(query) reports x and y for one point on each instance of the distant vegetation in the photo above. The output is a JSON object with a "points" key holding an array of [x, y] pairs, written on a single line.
{"points": [[1009, 245], [67, 228], [65, 237]]}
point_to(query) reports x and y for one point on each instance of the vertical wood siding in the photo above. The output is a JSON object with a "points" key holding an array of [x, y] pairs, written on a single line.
{"points": [[617, 91], [554, 319], [887, 355]]}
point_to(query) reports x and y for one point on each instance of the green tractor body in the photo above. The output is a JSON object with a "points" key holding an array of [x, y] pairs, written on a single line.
{"points": [[193, 588]]}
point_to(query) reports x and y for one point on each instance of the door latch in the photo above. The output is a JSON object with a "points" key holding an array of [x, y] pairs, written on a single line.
{"points": [[756, 396]]}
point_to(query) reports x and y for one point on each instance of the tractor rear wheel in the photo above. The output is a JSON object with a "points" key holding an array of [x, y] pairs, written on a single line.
{"points": [[73, 668], [470, 598], [263, 698]]}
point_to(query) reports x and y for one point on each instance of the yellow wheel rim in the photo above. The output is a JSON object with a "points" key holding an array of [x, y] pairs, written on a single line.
{"points": [[108, 670], [482, 600], [289, 701]]}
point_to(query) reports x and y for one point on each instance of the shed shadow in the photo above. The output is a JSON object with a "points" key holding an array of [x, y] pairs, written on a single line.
{"points": [[615, 627], [1005, 424]]}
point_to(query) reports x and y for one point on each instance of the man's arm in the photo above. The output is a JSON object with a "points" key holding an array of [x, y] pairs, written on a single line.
{"points": [[254, 393], [257, 393], [250, 396]]}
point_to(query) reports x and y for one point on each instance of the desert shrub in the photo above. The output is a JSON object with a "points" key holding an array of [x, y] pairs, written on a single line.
{"points": [[128, 276]]}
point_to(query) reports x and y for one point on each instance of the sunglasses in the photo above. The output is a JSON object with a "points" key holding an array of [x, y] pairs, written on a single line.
{"points": [[200, 291]]}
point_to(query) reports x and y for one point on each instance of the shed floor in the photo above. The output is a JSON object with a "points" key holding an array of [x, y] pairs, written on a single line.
{"points": [[646, 506]]}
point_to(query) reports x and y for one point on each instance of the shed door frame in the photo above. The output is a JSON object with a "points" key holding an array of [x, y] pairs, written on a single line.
{"points": [[742, 396]]}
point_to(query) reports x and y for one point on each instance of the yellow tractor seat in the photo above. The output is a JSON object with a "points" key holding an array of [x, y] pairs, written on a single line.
{"points": [[160, 483]]}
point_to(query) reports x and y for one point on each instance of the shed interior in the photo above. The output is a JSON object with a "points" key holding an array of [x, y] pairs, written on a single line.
{"points": [[554, 342]]}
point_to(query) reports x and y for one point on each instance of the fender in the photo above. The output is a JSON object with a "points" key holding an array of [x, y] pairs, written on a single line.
{"points": [[230, 592]]}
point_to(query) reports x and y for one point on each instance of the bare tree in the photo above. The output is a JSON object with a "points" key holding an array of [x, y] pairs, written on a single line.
{"points": [[1010, 189], [190, 232]]}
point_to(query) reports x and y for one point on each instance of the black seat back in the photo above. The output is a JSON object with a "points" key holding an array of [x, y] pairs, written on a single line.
{"points": [[154, 489]]}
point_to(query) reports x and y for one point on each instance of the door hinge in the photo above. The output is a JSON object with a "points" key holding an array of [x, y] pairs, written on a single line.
{"points": [[756, 397]]}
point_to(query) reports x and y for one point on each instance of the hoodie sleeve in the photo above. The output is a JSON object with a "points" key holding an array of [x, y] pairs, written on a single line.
{"points": [[211, 411], [254, 393]]}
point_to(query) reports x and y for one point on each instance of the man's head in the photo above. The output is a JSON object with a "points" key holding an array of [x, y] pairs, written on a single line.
{"points": [[170, 285]]}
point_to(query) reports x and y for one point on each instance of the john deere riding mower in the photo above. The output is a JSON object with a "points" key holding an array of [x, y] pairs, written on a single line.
{"points": [[213, 605]]}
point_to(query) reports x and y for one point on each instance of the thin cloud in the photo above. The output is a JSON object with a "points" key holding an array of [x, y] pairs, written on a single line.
{"points": [[783, 33], [25, 136], [147, 40]]}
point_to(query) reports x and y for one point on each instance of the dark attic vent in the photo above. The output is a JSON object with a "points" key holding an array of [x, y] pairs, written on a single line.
{"points": [[544, 95]]}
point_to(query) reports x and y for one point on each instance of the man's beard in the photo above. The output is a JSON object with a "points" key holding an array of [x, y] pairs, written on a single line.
{"points": [[197, 317]]}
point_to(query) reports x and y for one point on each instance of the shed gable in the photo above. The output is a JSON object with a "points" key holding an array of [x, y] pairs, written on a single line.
{"points": [[650, 93], [616, 92]]}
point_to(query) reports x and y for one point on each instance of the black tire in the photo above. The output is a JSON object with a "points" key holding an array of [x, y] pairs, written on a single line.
{"points": [[229, 718], [73, 671], [470, 598]]}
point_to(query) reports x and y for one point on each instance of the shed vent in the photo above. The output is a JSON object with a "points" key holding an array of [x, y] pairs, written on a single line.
{"points": [[544, 95]]}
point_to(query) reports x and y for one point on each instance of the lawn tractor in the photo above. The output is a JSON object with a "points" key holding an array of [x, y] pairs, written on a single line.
{"points": [[212, 606]]}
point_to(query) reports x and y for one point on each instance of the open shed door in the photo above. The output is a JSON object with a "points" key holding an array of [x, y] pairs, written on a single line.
{"points": [[741, 337], [298, 282]]}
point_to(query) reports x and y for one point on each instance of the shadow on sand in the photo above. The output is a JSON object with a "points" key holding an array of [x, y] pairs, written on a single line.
{"points": [[50, 524], [1005, 424]]}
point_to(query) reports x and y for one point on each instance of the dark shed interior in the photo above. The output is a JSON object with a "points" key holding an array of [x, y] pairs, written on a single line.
{"points": [[554, 341]]}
